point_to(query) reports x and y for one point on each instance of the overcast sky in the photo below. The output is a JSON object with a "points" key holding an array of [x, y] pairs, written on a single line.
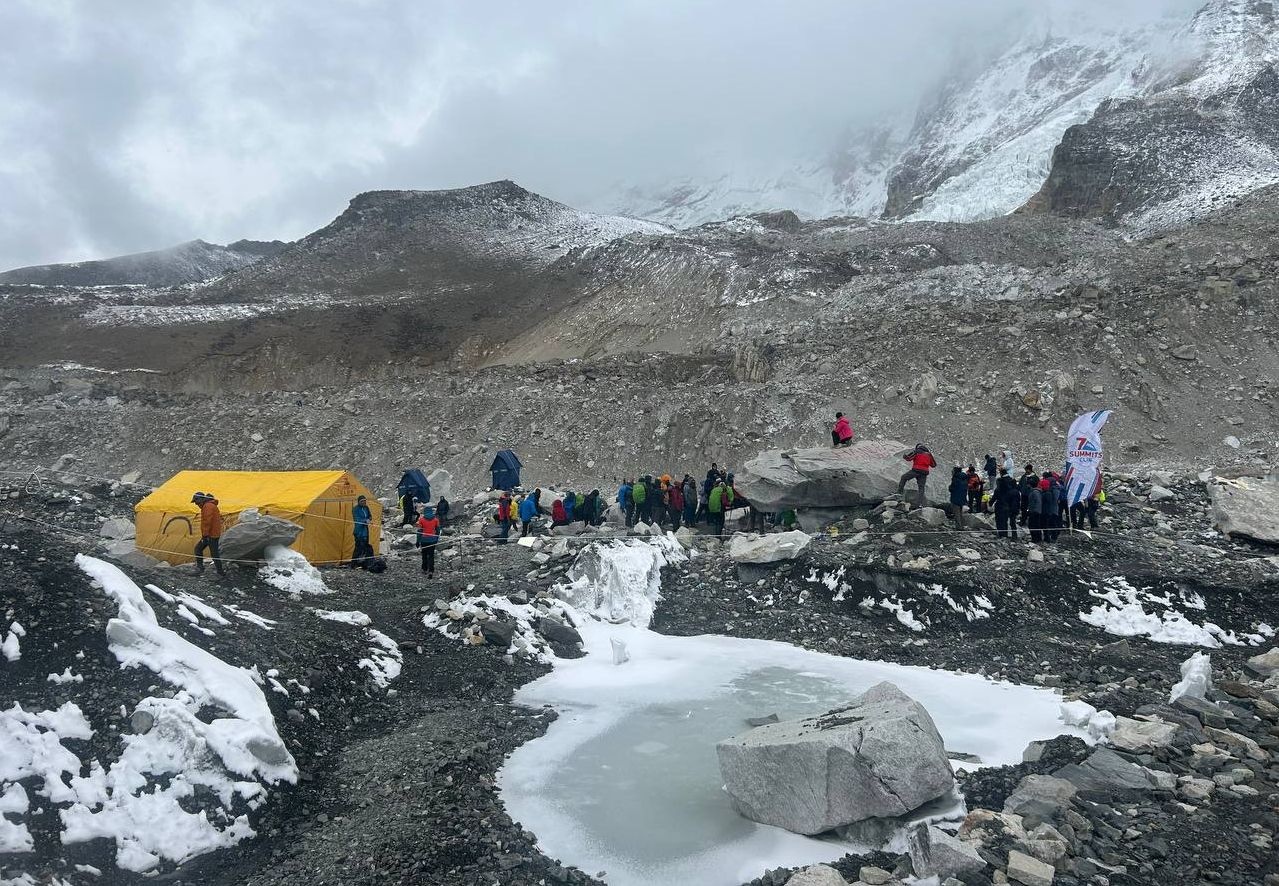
{"points": [[127, 126]]}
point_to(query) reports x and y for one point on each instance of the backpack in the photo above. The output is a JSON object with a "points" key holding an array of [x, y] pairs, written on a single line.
{"points": [[376, 565]]}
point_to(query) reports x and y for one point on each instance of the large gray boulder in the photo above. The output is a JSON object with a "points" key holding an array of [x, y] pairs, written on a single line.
{"points": [[880, 757], [1247, 507], [768, 548], [253, 533], [935, 853], [862, 474]]}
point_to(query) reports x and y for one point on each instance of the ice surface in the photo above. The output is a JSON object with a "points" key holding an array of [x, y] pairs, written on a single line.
{"points": [[626, 780], [1196, 678], [621, 580]]}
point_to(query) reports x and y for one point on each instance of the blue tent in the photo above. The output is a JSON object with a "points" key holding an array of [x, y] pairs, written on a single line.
{"points": [[506, 470], [415, 481]]}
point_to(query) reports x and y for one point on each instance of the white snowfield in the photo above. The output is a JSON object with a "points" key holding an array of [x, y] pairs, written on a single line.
{"points": [[137, 799], [635, 741], [1123, 612]]}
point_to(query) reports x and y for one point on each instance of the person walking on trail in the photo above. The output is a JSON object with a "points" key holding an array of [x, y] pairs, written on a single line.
{"points": [[958, 495], [362, 517], [991, 469], [1087, 509], [842, 433], [504, 515], [921, 462], [408, 503], [639, 495], [1006, 461], [1049, 509], [976, 486], [690, 500], [715, 508], [1034, 502], [428, 536], [675, 505], [1007, 500], [626, 502], [1029, 480], [528, 510], [442, 511], [210, 533]]}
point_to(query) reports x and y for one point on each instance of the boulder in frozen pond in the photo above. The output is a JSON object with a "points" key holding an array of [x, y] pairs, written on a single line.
{"points": [[1247, 507], [862, 474], [253, 533], [880, 757], [768, 548]]}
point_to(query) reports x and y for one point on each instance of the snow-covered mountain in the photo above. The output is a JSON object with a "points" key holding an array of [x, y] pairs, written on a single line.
{"points": [[190, 262], [1200, 130], [983, 145]]}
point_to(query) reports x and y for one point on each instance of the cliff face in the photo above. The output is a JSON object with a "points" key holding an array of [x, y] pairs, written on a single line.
{"points": [[1196, 136]]}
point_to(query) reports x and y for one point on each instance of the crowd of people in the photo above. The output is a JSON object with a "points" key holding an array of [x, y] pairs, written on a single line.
{"points": [[1034, 502]]}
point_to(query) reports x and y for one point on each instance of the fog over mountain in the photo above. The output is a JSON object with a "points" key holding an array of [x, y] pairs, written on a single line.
{"points": [[139, 125]]}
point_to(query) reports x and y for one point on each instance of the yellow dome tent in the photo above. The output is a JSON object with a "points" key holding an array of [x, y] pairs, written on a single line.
{"points": [[168, 524]]}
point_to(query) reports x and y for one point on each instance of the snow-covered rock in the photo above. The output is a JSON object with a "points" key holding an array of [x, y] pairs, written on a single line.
{"points": [[879, 757]]}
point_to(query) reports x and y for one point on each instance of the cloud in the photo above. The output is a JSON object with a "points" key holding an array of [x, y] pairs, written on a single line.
{"points": [[140, 123]]}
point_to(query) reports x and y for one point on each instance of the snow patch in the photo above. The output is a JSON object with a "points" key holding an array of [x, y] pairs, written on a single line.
{"points": [[1124, 613], [291, 572]]}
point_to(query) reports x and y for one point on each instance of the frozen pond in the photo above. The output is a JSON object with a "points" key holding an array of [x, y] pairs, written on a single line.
{"points": [[626, 780]]}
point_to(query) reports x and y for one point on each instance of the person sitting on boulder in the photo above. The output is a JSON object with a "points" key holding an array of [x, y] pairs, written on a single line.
{"points": [[958, 494], [210, 532], [362, 518], [921, 462], [842, 433], [428, 536]]}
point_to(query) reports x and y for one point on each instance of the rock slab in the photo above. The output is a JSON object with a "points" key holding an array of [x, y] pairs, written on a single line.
{"points": [[880, 757], [1247, 507], [253, 533], [862, 474], [768, 548]]}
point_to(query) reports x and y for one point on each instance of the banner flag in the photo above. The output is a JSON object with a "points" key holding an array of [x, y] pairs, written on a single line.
{"points": [[1083, 456]]}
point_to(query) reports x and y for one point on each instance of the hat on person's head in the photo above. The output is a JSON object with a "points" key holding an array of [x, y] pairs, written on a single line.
{"points": [[360, 498], [199, 497]]}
